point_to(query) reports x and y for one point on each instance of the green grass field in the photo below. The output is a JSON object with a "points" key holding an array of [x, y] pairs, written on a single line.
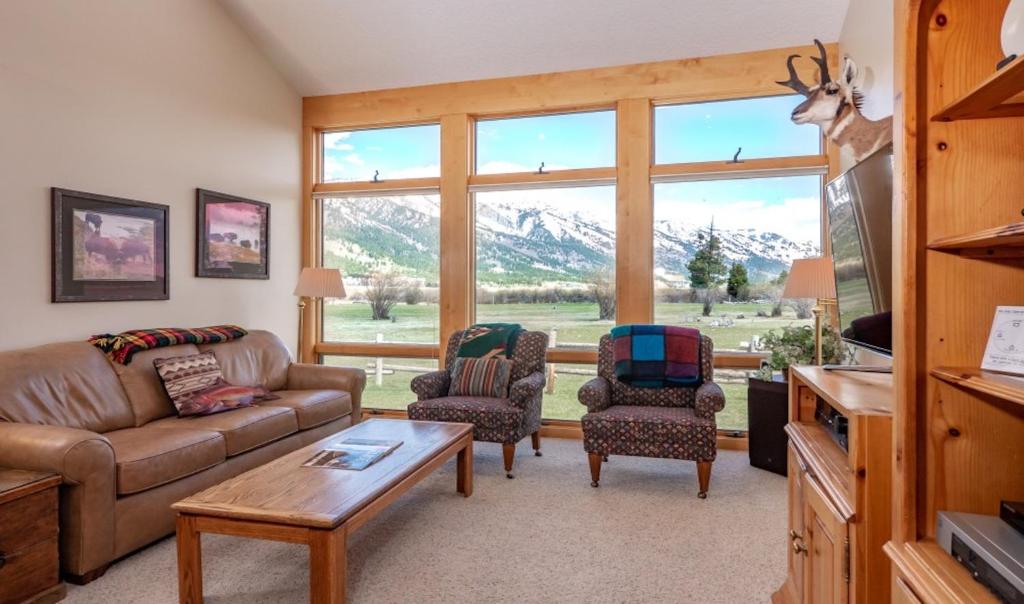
{"points": [[575, 324]]}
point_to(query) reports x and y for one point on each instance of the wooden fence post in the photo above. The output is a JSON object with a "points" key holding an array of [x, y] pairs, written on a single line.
{"points": [[552, 342], [379, 368]]}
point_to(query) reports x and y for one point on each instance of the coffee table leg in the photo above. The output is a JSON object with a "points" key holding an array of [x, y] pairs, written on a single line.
{"points": [[327, 565], [464, 476], [190, 561]]}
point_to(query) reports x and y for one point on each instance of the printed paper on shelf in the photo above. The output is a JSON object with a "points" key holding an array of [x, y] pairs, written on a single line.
{"points": [[352, 453], [1005, 350]]}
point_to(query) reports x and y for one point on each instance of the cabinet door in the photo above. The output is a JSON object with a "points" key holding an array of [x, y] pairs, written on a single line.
{"points": [[796, 522], [826, 557]]}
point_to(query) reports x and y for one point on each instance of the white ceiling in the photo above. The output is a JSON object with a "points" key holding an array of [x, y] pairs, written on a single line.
{"points": [[334, 46]]}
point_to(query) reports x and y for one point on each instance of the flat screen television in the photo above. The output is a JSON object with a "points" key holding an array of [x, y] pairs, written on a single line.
{"points": [[860, 226]]}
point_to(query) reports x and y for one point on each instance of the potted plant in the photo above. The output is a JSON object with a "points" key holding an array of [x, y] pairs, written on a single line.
{"points": [[795, 346]]}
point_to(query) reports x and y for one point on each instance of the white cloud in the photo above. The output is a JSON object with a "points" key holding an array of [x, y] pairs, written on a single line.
{"points": [[338, 146], [353, 158]]}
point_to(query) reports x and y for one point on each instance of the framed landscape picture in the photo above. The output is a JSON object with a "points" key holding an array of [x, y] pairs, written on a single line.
{"points": [[232, 236], [107, 248]]}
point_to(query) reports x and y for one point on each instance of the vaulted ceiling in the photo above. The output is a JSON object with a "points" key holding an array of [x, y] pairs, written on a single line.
{"points": [[334, 46]]}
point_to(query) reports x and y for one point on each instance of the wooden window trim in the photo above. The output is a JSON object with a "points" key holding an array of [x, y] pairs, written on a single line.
{"points": [[404, 186], [577, 177]]}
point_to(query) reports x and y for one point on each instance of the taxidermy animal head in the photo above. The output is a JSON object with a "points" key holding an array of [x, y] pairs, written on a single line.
{"points": [[835, 107]]}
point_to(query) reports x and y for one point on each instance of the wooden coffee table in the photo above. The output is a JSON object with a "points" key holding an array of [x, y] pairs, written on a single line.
{"points": [[284, 501]]}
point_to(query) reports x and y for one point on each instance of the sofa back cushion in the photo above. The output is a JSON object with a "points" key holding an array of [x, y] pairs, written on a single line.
{"points": [[258, 359], [145, 391], [68, 384]]}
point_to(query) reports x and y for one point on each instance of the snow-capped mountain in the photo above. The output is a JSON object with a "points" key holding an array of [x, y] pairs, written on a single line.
{"points": [[522, 243]]}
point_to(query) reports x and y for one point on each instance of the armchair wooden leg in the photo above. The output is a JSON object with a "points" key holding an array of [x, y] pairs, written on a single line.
{"points": [[509, 453], [595, 468], [704, 477], [536, 443]]}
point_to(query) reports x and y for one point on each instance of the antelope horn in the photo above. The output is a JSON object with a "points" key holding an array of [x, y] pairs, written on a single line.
{"points": [[794, 81], [822, 62]]}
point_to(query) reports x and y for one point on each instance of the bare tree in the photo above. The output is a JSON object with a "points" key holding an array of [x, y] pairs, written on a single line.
{"points": [[413, 294], [382, 291], [708, 297], [803, 307], [602, 287]]}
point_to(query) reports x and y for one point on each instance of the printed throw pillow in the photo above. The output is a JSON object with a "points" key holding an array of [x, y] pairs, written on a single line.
{"points": [[184, 376], [480, 377], [222, 396]]}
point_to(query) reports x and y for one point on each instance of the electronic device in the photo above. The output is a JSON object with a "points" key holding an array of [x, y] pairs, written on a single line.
{"points": [[835, 424], [1012, 512], [860, 228], [989, 548]]}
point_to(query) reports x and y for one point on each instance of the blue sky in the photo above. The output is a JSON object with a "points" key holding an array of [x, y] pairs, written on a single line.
{"points": [[682, 133]]}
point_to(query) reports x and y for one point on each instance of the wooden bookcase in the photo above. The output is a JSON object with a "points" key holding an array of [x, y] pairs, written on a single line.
{"points": [[959, 431]]}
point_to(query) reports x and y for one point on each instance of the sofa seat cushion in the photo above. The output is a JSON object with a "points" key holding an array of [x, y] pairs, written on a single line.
{"points": [[650, 431], [148, 457], [314, 407], [493, 419], [242, 429]]}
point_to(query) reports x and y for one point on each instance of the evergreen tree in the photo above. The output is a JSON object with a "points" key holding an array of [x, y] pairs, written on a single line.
{"points": [[737, 286], [707, 269]]}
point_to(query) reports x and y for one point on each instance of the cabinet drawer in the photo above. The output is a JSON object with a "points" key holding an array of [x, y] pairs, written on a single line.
{"points": [[29, 571], [28, 520]]}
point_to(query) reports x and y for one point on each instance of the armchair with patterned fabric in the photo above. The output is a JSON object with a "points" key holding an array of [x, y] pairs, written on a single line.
{"points": [[672, 422], [499, 420]]}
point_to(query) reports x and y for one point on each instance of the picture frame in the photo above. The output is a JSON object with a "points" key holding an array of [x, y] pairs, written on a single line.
{"points": [[232, 236], [107, 249]]}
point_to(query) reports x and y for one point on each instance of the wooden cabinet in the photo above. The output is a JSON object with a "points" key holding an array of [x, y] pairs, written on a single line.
{"points": [[29, 559], [838, 498], [826, 548]]}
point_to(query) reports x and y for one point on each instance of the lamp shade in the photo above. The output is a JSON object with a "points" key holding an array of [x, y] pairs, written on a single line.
{"points": [[811, 278], [320, 283]]}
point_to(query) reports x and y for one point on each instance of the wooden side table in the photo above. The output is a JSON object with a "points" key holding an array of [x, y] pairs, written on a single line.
{"points": [[29, 554]]}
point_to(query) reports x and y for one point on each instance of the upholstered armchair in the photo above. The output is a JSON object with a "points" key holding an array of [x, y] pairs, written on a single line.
{"points": [[676, 422], [498, 420]]}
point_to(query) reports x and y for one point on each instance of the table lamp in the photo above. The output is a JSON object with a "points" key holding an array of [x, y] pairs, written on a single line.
{"points": [[315, 282], [812, 278]]}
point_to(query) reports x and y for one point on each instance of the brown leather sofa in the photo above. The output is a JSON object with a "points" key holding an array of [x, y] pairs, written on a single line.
{"points": [[111, 431]]}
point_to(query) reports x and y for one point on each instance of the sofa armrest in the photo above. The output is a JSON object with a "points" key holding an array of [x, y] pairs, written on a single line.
{"points": [[431, 385], [596, 394], [523, 390], [309, 376], [709, 400], [85, 460]]}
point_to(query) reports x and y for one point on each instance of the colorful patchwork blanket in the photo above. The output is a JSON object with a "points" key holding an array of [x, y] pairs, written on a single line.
{"points": [[656, 356], [485, 340], [121, 347]]}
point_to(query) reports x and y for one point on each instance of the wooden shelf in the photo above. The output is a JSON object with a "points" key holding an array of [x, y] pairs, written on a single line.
{"points": [[1005, 241], [934, 575], [1001, 95], [1005, 387]]}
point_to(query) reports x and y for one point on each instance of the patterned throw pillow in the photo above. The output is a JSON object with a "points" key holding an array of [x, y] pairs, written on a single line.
{"points": [[480, 377], [184, 376], [222, 396]]}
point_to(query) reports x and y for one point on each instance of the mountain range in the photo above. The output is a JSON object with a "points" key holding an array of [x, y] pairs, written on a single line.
{"points": [[524, 243]]}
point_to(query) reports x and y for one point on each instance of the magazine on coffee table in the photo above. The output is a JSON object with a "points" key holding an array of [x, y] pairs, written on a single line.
{"points": [[352, 453]]}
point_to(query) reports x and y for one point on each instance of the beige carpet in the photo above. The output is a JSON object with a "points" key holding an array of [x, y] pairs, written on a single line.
{"points": [[545, 536]]}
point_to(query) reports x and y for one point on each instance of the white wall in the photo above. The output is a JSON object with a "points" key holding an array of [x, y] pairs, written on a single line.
{"points": [[867, 37], [144, 99]]}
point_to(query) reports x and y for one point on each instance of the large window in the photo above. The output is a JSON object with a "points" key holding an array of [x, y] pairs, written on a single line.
{"points": [[387, 379], [387, 153], [388, 251], [700, 132], [563, 141]]}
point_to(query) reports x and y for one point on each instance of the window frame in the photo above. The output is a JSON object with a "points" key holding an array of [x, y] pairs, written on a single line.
{"points": [[458, 106]]}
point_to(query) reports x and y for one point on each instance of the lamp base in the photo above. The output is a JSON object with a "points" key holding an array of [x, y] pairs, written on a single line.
{"points": [[302, 314]]}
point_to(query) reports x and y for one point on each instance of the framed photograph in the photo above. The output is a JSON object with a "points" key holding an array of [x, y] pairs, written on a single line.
{"points": [[232, 236], [108, 248]]}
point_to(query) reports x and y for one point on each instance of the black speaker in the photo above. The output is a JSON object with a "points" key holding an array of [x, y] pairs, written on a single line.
{"points": [[768, 413]]}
